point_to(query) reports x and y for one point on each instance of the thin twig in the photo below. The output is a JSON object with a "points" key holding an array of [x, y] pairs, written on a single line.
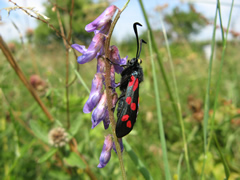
{"points": [[73, 146], [20, 74], [108, 91], [67, 68]]}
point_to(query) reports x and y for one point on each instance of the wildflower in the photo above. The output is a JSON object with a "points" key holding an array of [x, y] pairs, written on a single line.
{"points": [[120, 143], [90, 53], [104, 29], [115, 57], [102, 19], [106, 151], [100, 112], [95, 94], [97, 101], [106, 121], [57, 137]]}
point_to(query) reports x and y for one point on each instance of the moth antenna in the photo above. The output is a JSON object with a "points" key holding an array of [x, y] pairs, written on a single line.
{"points": [[136, 33], [141, 41]]}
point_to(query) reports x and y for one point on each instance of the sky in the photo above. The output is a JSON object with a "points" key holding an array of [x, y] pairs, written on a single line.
{"points": [[131, 14]]}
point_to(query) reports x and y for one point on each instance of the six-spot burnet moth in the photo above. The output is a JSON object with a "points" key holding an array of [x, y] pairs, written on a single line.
{"points": [[131, 77]]}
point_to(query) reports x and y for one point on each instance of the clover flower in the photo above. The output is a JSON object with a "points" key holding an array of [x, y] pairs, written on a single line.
{"points": [[97, 101], [58, 137]]}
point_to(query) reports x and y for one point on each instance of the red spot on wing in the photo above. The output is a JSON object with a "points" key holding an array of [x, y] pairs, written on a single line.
{"points": [[125, 117], [128, 100], [133, 106], [135, 86], [131, 81], [129, 124]]}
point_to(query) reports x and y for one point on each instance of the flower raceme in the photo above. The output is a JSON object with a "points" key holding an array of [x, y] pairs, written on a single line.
{"points": [[97, 101]]}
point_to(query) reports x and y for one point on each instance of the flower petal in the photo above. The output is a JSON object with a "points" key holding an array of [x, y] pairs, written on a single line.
{"points": [[89, 54], [79, 48], [121, 145], [95, 94], [100, 112], [102, 19], [115, 57], [106, 152]]}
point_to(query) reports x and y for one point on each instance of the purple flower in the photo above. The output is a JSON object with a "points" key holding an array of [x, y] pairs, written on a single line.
{"points": [[105, 28], [95, 94], [102, 19], [121, 145], [90, 53], [101, 67], [115, 57], [106, 151], [100, 112], [112, 77], [106, 121]]}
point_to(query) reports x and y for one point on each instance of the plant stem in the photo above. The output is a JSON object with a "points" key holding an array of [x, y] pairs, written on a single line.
{"points": [[22, 77], [109, 93], [155, 49]]}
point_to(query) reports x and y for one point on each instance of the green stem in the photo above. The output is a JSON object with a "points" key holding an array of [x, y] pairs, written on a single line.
{"points": [[177, 100], [206, 104], [155, 49], [109, 93], [220, 72], [159, 114]]}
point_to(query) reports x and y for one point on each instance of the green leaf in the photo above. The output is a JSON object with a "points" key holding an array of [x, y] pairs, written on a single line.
{"points": [[47, 155], [75, 124], [74, 160], [39, 131], [139, 164]]}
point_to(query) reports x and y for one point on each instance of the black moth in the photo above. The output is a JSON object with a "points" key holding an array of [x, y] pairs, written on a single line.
{"points": [[131, 77]]}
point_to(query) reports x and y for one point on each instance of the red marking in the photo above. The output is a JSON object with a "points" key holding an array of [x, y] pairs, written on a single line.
{"points": [[135, 85], [131, 81], [129, 124], [133, 106], [125, 117], [128, 100]]}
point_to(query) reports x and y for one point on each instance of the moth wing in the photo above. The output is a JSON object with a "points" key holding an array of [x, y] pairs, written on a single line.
{"points": [[128, 108]]}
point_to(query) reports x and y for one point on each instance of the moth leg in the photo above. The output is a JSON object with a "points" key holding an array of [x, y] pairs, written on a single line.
{"points": [[116, 63]]}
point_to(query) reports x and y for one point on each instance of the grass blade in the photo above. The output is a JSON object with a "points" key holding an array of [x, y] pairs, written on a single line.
{"points": [[159, 60], [177, 100], [159, 114], [207, 95], [140, 166]]}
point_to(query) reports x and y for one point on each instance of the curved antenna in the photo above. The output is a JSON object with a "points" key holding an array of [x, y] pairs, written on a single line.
{"points": [[141, 41], [136, 33]]}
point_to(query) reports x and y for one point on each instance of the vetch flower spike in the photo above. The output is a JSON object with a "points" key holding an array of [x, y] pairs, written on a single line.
{"points": [[95, 94], [102, 19], [90, 53], [100, 112], [106, 151]]}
